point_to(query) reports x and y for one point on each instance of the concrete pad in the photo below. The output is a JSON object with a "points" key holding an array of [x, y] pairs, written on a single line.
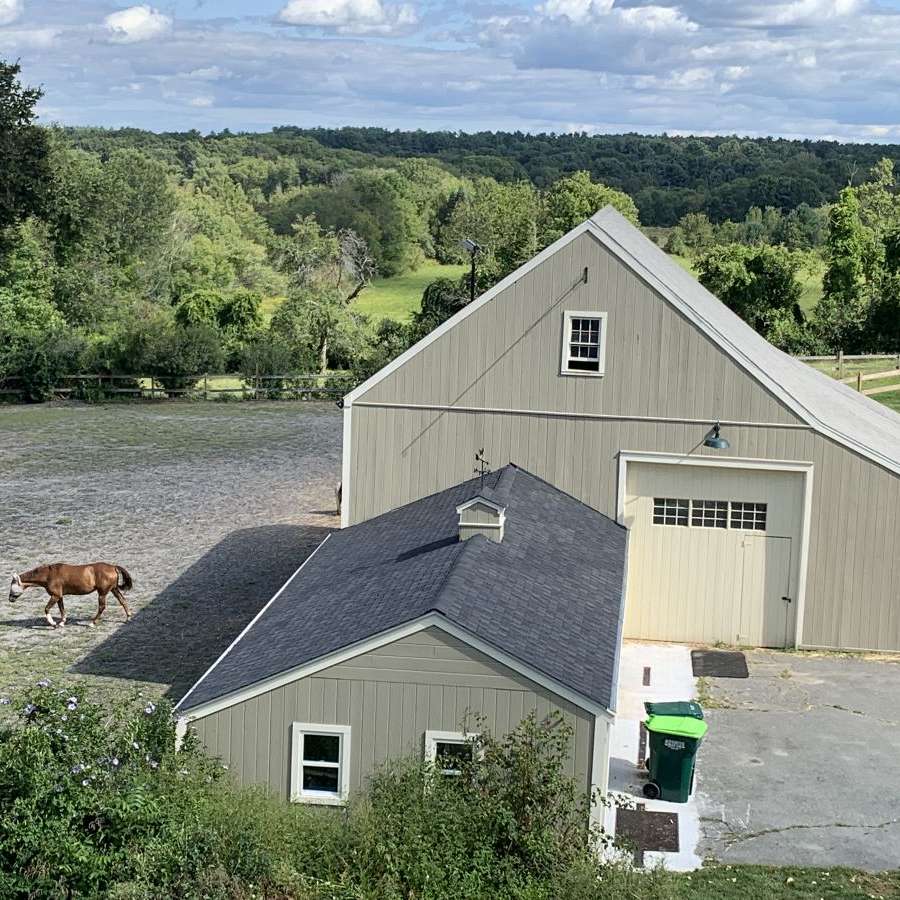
{"points": [[802, 764], [671, 678]]}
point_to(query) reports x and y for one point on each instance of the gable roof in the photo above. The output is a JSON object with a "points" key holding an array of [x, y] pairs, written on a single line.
{"points": [[827, 406], [550, 595]]}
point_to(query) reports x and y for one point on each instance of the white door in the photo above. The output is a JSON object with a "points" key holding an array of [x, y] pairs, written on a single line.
{"points": [[711, 553]]}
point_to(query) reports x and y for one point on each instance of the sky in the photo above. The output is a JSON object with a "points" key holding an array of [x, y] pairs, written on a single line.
{"points": [[793, 68]]}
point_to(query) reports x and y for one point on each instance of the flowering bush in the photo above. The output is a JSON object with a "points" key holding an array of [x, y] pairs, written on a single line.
{"points": [[83, 790]]}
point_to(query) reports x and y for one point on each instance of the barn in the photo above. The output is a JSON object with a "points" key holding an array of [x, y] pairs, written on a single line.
{"points": [[762, 498]]}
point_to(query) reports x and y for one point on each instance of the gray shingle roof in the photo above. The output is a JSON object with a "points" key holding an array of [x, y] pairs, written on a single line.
{"points": [[550, 595]]}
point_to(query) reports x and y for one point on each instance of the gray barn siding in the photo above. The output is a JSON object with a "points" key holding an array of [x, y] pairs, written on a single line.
{"points": [[506, 356], [389, 697]]}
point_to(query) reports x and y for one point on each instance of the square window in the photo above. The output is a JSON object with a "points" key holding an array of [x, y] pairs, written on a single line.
{"points": [[670, 511], [584, 343], [320, 763], [709, 513], [748, 516], [449, 750]]}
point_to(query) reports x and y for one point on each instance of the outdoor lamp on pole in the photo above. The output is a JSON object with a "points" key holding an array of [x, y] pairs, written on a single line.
{"points": [[473, 249]]}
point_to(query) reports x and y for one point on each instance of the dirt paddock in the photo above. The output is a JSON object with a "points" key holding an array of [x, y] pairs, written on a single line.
{"points": [[209, 506]]}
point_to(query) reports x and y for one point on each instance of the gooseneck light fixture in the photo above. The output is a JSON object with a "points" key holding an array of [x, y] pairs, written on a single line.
{"points": [[714, 439]]}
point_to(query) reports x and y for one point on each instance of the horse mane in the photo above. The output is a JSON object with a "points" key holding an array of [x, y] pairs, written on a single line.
{"points": [[37, 574]]}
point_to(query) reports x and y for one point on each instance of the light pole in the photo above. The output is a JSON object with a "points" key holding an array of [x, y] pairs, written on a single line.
{"points": [[473, 249]]}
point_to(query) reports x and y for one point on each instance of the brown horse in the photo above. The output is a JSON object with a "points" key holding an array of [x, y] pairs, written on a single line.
{"points": [[60, 579]]}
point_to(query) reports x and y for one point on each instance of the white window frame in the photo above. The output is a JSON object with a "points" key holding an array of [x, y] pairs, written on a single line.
{"points": [[433, 738], [565, 360], [328, 798]]}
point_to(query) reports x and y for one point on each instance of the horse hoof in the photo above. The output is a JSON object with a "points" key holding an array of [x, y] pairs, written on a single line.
{"points": [[91, 624]]}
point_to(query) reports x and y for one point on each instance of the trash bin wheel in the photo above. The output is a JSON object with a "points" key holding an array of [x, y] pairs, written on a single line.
{"points": [[651, 790]]}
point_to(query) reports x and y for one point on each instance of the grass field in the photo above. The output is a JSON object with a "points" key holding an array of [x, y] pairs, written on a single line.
{"points": [[399, 297]]}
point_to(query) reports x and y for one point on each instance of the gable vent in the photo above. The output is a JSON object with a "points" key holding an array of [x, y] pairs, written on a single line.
{"points": [[481, 516]]}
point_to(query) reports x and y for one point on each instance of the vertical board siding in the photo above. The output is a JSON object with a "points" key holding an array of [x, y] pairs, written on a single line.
{"points": [[506, 356], [389, 697]]}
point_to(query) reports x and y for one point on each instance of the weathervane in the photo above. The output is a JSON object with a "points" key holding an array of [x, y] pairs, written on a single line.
{"points": [[483, 467]]}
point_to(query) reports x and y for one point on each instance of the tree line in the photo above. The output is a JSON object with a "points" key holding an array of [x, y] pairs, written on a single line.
{"points": [[127, 252]]}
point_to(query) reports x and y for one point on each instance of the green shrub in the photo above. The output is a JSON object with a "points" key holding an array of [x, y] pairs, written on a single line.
{"points": [[40, 360], [97, 802]]}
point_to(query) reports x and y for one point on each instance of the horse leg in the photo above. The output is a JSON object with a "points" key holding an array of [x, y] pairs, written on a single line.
{"points": [[101, 605], [50, 604], [62, 611], [124, 603]]}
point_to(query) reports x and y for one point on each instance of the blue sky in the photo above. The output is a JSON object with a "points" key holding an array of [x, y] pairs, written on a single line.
{"points": [[798, 68]]}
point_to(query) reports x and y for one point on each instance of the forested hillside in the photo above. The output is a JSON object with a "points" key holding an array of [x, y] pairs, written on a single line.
{"points": [[169, 255], [666, 176]]}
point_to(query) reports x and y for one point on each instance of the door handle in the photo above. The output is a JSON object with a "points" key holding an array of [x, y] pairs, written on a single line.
{"points": [[787, 599]]}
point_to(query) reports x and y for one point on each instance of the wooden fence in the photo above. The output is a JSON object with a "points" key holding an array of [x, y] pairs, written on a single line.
{"points": [[195, 387], [841, 362]]}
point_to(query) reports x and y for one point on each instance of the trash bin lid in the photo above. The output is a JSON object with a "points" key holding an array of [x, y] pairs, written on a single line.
{"points": [[682, 726], [676, 708]]}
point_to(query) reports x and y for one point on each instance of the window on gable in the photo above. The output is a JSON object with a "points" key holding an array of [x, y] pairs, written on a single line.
{"points": [[670, 511], [448, 750], [748, 516], [320, 756], [584, 343]]}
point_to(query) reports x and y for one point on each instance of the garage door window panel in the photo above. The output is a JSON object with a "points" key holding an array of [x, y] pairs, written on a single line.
{"points": [[748, 516], [671, 511], [709, 513]]}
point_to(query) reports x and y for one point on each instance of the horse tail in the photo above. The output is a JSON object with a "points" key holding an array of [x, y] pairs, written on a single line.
{"points": [[126, 584]]}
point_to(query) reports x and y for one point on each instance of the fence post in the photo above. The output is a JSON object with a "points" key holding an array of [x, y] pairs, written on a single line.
{"points": [[859, 381], [840, 361], [206, 386]]}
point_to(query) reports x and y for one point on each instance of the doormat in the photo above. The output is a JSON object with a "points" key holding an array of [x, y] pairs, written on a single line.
{"points": [[641, 830], [719, 664]]}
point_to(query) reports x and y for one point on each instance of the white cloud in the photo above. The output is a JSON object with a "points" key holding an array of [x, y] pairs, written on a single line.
{"points": [[201, 102], [656, 19], [576, 10], [10, 10], [354, 16], [28, 38], [136, 24]]}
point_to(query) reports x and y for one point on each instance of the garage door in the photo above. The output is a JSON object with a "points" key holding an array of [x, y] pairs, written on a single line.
{"points": [[712, 553]]}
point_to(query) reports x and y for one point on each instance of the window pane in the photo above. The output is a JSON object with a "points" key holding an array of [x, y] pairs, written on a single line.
{"points": [[748, 516], [450, 755], [670, 511], [321, 747], [320, 778], [709, 513]]}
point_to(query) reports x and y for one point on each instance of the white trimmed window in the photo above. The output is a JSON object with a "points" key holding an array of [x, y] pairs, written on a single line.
{"points": [[670, 511], [709, 513], [748, 516], [320, 763], [448, 750], [584, 343]]}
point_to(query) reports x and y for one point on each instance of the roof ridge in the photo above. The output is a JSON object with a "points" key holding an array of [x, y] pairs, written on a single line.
{"points": [[567, 495]]}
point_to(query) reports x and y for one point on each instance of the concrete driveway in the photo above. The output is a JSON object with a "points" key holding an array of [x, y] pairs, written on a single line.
{"points": [[801, 765]]}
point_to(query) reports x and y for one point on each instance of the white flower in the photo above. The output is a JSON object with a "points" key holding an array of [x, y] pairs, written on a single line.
{"points": [[149, 709], [4, 701], [44, 682], [29, 709], [72, 703], [136, 745], [153, 763], [85, 782], [64, 717], [77, 769], [115, 760]]}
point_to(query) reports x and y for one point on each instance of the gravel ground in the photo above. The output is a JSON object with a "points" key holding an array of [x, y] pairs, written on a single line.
{"points": [[210, 506]]}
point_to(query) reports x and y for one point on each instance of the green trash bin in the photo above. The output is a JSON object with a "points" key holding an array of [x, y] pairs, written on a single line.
{"points": [[679, 708], [674, 741]]}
